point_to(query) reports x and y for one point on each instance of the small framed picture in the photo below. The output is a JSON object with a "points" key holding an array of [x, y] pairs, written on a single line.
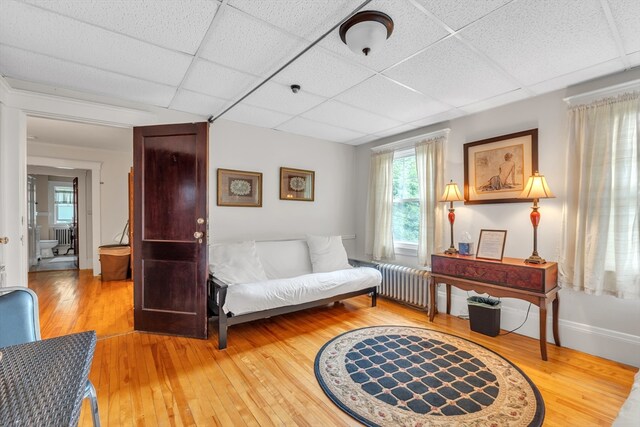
{"points": [[239, 188], [491, 244], [297, 184]]}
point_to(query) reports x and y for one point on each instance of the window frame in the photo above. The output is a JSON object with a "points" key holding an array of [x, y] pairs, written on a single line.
{"points": [[54, 207], [404, 247]]}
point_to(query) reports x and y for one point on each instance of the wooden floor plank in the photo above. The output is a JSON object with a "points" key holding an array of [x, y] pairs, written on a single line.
{"points": [[266, 375]]}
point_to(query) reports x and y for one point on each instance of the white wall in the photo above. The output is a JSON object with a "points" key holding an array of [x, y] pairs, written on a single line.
{"points": [[114, 200], [13, 191], [244, 147], [605, 326]]}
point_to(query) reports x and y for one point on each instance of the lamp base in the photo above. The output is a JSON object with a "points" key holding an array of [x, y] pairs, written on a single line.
{"points": [[451, 251], [535, 259]]}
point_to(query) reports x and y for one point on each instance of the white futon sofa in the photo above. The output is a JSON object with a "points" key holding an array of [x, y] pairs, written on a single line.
{"points": [[254, 280]]}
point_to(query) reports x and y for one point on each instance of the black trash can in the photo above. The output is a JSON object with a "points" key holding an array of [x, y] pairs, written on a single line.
{"points": [[114, 262], [484, 315]]}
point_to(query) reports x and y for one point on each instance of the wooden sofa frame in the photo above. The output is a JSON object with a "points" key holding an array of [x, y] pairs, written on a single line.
{"points": [[217, 294]]}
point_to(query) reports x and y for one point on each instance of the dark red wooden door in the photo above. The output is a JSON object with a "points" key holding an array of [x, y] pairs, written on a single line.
{"points": [[170, 212]]}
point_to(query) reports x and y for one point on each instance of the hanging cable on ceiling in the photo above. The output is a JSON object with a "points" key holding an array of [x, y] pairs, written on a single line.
{"points": [[212, 119]]}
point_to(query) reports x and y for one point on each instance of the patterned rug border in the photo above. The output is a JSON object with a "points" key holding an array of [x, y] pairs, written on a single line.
{"points": [[540, 407]]}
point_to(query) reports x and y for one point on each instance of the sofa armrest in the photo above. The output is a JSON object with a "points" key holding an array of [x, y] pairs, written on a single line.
{"points": [[217, 294], [362, 263]]}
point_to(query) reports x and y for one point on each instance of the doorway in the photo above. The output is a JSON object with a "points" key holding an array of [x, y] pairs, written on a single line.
{"points": [[53, 202]]}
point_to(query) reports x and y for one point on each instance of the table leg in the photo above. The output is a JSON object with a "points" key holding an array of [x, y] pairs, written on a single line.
{"points": [[432, 299], [448, 298], [555, 307], [543, 328]]}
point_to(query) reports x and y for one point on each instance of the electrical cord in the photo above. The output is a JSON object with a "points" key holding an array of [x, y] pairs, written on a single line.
{"points": [[525, 321]]}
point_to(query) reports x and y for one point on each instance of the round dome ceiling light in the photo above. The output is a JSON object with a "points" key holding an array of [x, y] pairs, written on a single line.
{"points": [[365, 31]]}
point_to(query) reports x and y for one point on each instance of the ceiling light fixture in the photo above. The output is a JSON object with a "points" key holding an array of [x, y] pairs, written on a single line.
{"points": [[365, 31], [295, 88]]}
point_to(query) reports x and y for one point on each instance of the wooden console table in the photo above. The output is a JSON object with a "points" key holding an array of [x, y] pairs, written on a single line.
{"points": [[509, 278]]}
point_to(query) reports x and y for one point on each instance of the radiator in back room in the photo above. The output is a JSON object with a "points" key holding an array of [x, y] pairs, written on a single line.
{"points": [[62, 235], [405, 284]]}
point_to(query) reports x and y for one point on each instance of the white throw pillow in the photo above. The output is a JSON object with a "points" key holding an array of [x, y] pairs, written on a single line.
{"points": [[236, 263], [327, 253]]}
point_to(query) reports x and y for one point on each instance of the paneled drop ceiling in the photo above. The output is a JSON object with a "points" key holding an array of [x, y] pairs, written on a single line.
{"points": [[445, 58]]}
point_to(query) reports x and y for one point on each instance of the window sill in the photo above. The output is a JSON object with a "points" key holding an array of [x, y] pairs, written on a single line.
{"points": [[406, 249]]}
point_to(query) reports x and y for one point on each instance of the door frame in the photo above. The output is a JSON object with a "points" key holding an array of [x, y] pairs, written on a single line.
{"points": [[95, 168], [15, 105]]}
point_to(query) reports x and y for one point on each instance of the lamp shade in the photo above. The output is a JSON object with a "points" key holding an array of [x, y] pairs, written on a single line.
{"points": [[536, 188], [365, 31], [451, 193]]}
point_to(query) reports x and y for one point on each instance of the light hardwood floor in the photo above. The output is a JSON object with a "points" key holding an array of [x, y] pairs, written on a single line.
{"points": [[266, 375]]}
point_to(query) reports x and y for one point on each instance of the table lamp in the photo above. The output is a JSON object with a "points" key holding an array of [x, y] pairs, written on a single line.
{"points": [[535, 189], [451, 194]]}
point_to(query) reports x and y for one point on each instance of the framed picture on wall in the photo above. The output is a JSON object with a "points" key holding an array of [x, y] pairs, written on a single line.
{"points": [[297, 184], [239, 188], [496, 169]]}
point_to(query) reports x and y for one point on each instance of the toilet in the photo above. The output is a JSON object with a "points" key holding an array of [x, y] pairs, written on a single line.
{"points": [[46, 248]]}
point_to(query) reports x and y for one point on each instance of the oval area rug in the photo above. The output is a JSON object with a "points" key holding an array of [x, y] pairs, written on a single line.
{"points": [[406, 376]]}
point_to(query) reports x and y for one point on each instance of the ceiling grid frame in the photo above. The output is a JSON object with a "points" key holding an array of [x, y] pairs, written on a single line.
{"points": [[450, 19]]}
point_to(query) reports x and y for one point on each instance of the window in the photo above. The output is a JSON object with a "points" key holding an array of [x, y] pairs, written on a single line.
{"points": [[601, 246], [402, 209], [406, 202], [63, 204]]}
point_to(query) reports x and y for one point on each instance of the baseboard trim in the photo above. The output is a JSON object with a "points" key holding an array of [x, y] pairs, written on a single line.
{"points": [[618, 346]]}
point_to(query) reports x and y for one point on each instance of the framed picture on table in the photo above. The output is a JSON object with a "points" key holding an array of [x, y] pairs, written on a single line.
{"points": [[491, 244]]}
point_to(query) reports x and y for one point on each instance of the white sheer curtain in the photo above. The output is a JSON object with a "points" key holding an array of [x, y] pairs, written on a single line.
{"points": [[379, 238], [430, 182], [601, 243]]}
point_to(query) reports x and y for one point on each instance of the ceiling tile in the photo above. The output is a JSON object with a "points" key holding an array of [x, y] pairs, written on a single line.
{"points": [[496, 101], [348, 117], [451, 73], [255, 116], [457, 14], [175, 24], [412, 31], [37, 68], [454, 113], [625, 14], [279, 97], [539, 40], [245, 43], [197, 103], [322, 73], [634, 59], [362, 140], [216, 80], [308, 19], [579, 76], [302, 126], [396, 131], [388, 98], [30, 28]]}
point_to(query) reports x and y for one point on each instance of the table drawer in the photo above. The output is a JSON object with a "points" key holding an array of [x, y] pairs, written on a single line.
{"points": [[508, 275]]}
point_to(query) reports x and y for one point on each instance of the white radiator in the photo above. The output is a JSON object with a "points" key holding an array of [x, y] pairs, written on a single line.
{"points": [[62, 235], [405, 284]]}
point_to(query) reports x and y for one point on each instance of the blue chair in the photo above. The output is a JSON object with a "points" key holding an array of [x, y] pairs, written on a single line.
{"points": [[20, 323]]}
